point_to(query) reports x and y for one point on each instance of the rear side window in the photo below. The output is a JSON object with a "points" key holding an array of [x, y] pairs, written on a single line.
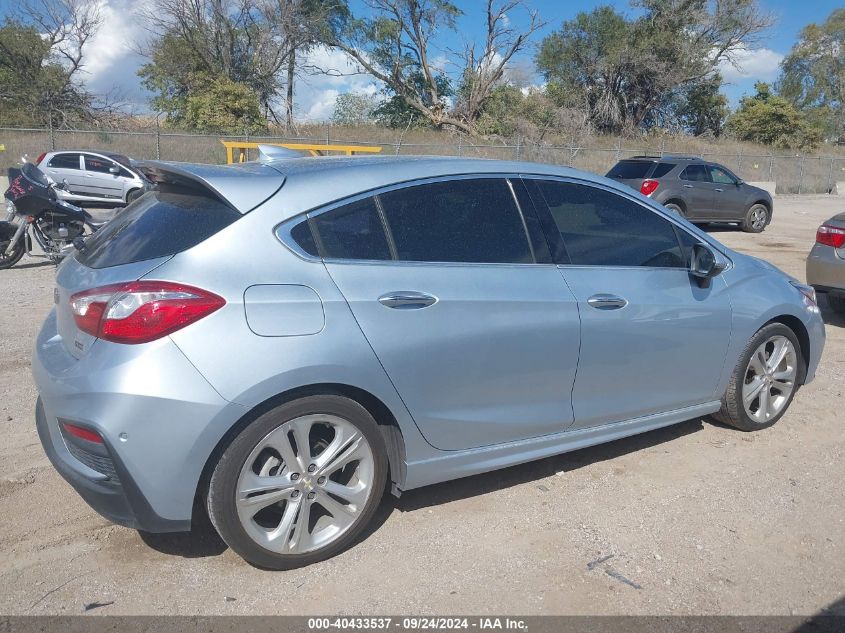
{"points": [[354, 231], [65, 161], [696, 173], [630, 169], [600, 228], [464, 220], [661, 170], [157, 225]]}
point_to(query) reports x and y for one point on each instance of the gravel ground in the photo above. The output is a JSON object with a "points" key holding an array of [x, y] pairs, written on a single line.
{"points": [[693, 519]]}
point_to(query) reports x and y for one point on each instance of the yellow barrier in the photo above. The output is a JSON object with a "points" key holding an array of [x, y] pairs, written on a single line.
{"points": [[316, 149]]}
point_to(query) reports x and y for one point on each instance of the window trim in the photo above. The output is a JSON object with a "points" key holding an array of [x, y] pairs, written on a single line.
{"points": [[283, 230], [543, 208]]}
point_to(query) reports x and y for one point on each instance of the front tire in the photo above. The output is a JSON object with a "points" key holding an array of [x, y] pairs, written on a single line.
{"points": [[7, 261], [765, 380], [756, 219], [300, 483]]}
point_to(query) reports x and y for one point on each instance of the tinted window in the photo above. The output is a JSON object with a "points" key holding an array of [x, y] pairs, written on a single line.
{"points": [[630, 169], [721, 176], [156, 225], [100, 165], [354, 231], [600, 228], [696, 173], [65, 161], [661, 170], [457, 221], [301, 234]]}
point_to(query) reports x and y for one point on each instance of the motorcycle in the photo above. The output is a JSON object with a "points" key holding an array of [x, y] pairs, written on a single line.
{"points": [[55, 224]]}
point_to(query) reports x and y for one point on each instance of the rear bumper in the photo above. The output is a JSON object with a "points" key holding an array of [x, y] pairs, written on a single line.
{"points": [[826, 269], [158, 417]]}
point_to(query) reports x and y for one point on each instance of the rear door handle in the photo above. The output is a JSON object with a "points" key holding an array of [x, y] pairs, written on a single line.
{"points": [[606, 302], [407, 300], [719, 190], [688, 187]]}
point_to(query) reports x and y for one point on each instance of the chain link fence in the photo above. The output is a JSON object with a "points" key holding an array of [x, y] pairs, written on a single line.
{"points": [[792, 173]]}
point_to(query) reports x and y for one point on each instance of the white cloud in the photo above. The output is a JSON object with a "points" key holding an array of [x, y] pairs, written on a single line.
{"points": [[760, 64]]}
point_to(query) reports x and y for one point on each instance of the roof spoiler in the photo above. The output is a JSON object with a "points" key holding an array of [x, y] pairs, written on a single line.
{"points": [[270, 153], [242, 187]]}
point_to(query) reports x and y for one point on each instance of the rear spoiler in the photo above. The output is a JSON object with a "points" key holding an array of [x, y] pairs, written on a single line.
{"points": [[242, 187]]}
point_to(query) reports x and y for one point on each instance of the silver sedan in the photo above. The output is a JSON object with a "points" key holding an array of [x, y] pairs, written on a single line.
{"points": [[826, 263]]}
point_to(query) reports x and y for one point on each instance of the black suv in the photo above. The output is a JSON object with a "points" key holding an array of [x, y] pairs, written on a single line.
{"points": [[698, 190]]}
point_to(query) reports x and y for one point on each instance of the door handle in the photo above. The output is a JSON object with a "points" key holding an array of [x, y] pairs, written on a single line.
{"points": [[688, 187], [719, 190], [606, 302], [407, 300]]}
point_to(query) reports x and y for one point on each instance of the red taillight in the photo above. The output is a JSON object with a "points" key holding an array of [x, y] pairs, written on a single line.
{"points": [[140, 311], [649, 186], [40, 158], [831, 236], [82, 433]]}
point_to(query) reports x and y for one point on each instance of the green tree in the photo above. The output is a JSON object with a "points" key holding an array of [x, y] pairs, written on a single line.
{"points": [[813, 74], [354, 108], [772, 120], [396, 112], [621, 70], [702, 108], [218, 104]]}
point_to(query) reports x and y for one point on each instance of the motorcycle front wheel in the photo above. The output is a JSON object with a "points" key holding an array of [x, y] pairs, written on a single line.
{"points": [[7, 260]]}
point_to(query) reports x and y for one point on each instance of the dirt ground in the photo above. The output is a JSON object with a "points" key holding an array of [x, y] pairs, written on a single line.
{"points": [[693, 519]]}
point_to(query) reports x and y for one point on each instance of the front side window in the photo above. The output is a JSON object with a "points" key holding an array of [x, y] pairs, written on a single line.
{"points": [[65, 161], [721, 176], [97, 164], [601, 228], [466, 220], [696, 173]]}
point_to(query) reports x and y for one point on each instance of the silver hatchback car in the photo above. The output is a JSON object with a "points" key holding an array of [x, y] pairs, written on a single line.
{"points": [[94, 177], [287, 340]]}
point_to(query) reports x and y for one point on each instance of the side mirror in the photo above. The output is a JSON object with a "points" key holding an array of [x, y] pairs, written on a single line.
{"points": [[705, 265], [114, 169]]}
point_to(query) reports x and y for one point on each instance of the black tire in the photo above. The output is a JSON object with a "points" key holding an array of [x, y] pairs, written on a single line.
{"points": [[133, 195], [752, 222], [836, 303], [7, 261], [675, 208], [222, 487], [733, 411]]}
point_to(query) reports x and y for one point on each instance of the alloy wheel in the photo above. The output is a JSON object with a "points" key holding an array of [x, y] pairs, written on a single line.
{"points": [[305, 484], [770, 378], [758, 218]]}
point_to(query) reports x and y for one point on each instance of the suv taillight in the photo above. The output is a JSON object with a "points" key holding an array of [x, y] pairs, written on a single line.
{"points": [[140, 311], [831, 236], [649, 186]]}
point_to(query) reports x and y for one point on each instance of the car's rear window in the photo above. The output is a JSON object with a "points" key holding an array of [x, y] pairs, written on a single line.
{"points": [[630, 169], [156, 225]]}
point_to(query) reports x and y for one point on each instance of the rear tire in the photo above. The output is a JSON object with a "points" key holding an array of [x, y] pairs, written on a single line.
{"points": [[756, 219], [764, 381], [133, 195], [7, 261], [280, 507], [836, 303], [675, 208]]}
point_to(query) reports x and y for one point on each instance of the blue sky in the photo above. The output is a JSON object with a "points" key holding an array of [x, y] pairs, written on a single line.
{"points": [[112, 64]]}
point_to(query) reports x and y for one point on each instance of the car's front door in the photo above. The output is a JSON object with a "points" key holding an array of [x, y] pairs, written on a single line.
{"points": [[458, 297], [652, 340], [729, 198], [698, 192], [102, 178], [67, 167]]}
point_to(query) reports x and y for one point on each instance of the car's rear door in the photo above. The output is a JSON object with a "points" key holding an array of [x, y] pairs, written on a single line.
{"points": [[452, 284], [652, 340], [66, 166], [698, 192]]}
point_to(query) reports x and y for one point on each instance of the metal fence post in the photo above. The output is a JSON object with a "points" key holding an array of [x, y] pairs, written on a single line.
{"points": [[771, 166], [830, 176], [518, 149], [460, 145], [158, 140], [52, 133], [801, 177]]}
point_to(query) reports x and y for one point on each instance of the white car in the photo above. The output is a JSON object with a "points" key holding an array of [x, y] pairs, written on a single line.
{"points": [[101, 177]]}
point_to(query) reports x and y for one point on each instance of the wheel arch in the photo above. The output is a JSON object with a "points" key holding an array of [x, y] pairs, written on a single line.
{"points": [[797, 326], [678, 201], [387, 423]]}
